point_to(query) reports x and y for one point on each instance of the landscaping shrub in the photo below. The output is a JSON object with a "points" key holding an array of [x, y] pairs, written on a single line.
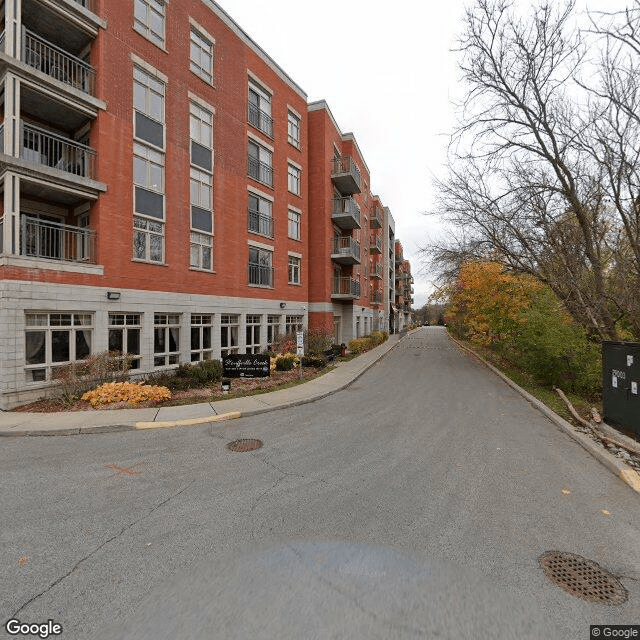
{"points": [[314, 360], [318, 340], [188, 376], [286, 362], [77, 377], [132, 392]]}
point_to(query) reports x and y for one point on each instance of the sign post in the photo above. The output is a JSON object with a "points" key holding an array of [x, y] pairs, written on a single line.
{"points": [[300, 348]]}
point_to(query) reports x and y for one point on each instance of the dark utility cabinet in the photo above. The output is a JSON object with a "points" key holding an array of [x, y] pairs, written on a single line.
{"points": [[620, 399]]}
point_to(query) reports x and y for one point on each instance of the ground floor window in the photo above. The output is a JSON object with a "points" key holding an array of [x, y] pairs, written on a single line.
{"points": [[201, 328], [336, 329], [228, 334], [273, 330], [253, 333], [53, 340], [166, 339], [293, 324], [124, 336]]}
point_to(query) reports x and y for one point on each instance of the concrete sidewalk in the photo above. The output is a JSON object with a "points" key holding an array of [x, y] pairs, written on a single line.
{"points": [[86, 422]]}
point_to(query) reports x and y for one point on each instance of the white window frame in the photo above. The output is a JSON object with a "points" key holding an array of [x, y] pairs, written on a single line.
{"points": [[204, 46], [165, 322], [264, 157], [253, 322], [294, 224], [273, 329], [147, 229], [263, 214], [130, 322], [293, 324], [200, 323], [144, 26], [229, 322], [294, 269], [48, 323], [293, 128], [294, 178], [201, 125], [264, 121], [151, 87]]}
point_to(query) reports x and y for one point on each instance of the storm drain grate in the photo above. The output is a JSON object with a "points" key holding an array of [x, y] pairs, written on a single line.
{"points": [[245, 444], [582, 578]]}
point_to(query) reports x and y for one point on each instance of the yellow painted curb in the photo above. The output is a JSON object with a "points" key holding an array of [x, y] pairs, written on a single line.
{"points": [[632, 478], [187, 423]]}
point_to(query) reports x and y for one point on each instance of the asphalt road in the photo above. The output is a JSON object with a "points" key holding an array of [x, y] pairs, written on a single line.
{"points": [[414, 504]]}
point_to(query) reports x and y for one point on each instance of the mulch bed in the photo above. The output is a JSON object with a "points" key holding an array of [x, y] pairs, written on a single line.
{"points": [[239, 387]]}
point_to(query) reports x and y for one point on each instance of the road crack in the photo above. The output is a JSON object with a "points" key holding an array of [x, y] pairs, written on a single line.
{"points": [[101, 546]]}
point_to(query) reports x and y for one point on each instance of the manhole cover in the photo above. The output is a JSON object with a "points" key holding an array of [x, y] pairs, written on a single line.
{"points": [[582, 578], [245, 444]]}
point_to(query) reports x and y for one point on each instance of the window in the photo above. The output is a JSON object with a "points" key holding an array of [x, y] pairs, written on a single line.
{"points": [[293, 129], [294, 179], [253, 334], [53, 340], [259, 107], [201, 220], [294, 270], [201, 131], [148, 19], [124, 336], [260, 267], [201, 55], [228, 334], [293, 324], [148, 104], [294, 225], [148, 178], [201, 187], [260, 164], [166, 339], [260, 214], [273, 330], [201, 328]]}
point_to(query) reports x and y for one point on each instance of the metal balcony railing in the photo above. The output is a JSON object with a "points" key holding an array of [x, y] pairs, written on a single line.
{"points": [[376, 297], [344, 208], [57, 152], [87, 4], [260, 274], [56, 241], [346, 287], [260, 223], [57, 63], [376, 271], [2, 138], [2, 42], [345, 174], [375, 243], [1, 235], [260, 171], [260, 119], [346, 246]]}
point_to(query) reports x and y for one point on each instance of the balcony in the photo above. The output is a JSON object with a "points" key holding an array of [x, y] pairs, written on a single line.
{"points": [[56, 241], [375, 222], [260, 171], [74, 21], [57, 152], [376, 297], [345, 288], [346, 213], [260, 119], [260, 223], [260, 275], [375, 244], [58, 63], [346, 250], [376, 272], [346, 175]]}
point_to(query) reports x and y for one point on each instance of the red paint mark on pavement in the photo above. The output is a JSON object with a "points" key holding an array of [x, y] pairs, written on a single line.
{"points": [[123, 471]]}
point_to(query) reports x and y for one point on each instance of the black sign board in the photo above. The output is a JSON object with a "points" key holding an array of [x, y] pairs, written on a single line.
{"points": [[251, 365]]}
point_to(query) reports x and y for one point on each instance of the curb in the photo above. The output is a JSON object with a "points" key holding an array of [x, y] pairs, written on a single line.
{"points": [[624, 472], [169, 424]]}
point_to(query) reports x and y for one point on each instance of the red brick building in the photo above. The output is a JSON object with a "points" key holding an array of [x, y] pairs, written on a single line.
{"points": [[167, 193]]}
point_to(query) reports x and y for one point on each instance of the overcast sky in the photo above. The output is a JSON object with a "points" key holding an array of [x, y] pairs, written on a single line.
{"points": [[389, 76]]}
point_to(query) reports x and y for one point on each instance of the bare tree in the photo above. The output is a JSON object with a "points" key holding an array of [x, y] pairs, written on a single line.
{"points": [[544, 167]]}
